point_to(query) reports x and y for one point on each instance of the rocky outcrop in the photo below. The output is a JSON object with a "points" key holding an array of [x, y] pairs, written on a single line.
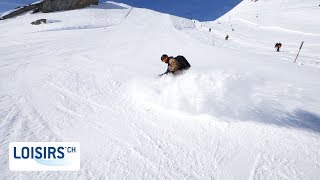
{"points": [[39, 21], [51, 6], [21, 10], [61, 5]]}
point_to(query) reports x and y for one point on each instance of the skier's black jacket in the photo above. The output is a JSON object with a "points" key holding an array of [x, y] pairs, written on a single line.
{"points": [[183, 64]]}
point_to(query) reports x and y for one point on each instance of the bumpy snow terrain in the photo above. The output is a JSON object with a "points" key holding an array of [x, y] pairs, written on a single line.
{"points": [[243, 111]]}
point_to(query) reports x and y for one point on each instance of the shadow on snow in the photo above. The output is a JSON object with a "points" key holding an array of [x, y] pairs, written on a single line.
{"points": [[298, 119]]}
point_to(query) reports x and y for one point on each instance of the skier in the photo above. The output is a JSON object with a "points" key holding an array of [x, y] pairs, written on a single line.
{"points": [[278, 46], [227, 37], [175, 65]]}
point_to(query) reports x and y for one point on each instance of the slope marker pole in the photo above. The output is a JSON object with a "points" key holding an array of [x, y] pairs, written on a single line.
{"points": [[298, 52], [213, 39]]}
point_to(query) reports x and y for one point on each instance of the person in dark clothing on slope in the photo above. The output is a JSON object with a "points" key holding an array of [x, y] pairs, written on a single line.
{"points": [[278, 46], [175, 65]]}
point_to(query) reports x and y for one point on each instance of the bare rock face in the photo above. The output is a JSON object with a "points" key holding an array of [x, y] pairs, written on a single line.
{"points": [[21, 10], [39, 21], [61, 5], [51, 6]]}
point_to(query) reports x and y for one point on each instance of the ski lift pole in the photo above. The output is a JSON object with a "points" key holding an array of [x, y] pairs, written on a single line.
{"points": [[212, 32], [299, 51], [213, 39]]}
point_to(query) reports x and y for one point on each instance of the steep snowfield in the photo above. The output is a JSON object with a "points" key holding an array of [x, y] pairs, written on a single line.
{"points": [[261, 24], [243, 111]]}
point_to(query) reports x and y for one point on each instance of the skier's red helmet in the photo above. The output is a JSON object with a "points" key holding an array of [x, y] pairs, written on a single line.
{"points": [[164, 58]]}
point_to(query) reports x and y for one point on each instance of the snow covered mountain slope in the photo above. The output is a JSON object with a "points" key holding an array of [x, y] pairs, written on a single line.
{"points": [[261, 24], [294, 14], [90, 76]]}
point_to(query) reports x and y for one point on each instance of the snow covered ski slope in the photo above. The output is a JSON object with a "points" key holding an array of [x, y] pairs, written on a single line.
{"points": [[243, 111], [261, 24]]}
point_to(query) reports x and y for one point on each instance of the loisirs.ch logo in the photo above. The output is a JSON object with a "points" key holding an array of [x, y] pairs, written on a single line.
{"points": [[44, 156]]}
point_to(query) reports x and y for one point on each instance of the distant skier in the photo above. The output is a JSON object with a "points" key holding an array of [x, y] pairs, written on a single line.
{"points": [[278, 46], [227, 37], [175, 65]]}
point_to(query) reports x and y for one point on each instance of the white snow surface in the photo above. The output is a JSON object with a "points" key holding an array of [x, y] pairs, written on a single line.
{"points": [[243, 111]]}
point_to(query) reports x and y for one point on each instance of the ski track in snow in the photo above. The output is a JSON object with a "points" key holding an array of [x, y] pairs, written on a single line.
{"points": [[223, 121]]}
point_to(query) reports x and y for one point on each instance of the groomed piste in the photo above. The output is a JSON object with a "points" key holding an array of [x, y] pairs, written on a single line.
{"points": [[243, 110]]}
